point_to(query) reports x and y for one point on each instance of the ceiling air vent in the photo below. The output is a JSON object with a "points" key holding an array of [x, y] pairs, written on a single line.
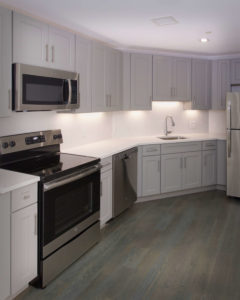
{"points": [[164, 21]]}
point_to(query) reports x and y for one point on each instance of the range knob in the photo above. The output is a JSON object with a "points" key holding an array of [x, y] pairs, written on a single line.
{"points": [[12, 144], [5, 145], [55, 137]]}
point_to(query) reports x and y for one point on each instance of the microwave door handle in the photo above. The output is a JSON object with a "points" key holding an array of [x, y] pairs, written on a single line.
{"points": [[69, 91]]}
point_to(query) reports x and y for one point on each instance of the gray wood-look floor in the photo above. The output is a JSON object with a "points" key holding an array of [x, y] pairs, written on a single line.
{"points": [[185, 247]]}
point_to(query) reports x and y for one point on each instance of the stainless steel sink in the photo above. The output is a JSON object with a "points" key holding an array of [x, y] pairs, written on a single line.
{"points": [[171, 137]]}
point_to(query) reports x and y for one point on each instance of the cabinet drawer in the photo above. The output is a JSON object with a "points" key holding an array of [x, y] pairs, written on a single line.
{"points": [[24, 196], [151, 150], [181, 147], [209, 145], [106, 164]]}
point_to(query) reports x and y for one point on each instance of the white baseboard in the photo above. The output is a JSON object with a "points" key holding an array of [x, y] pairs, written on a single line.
{"points": [[180, 193]]}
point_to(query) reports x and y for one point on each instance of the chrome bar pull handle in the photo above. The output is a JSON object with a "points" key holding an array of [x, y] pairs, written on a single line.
{"points": [[229, 142], [35, 224]]}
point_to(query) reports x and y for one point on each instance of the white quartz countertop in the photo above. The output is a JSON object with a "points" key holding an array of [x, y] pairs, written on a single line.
{"points": [[110, 147], [10, 180]]}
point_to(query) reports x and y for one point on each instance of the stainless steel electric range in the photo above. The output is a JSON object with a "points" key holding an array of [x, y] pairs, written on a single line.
{"points": [[68, 197]]}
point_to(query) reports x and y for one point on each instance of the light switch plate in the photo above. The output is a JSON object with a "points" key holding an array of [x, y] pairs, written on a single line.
{"points": [[192, 124]]}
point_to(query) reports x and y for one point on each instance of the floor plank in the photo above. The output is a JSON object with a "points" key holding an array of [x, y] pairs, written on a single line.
{"points": [[179, 248]]}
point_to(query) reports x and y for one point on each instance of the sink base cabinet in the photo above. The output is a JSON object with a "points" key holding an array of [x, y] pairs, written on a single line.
{"points": [[180, 171]]}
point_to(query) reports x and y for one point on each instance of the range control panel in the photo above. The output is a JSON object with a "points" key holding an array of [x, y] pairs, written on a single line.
{"points": [[21, 142]]}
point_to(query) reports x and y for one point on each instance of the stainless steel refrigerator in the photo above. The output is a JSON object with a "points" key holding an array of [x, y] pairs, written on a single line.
{"points": [[233, 144]]}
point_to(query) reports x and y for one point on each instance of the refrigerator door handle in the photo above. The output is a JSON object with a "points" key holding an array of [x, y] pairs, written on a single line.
{"points": [[229, 142], [229, 113]]}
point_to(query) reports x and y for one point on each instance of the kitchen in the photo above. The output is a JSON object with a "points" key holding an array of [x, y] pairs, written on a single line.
{"points": [[158, 108]]}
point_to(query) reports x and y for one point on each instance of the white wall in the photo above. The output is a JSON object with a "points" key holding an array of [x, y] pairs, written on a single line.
{"points": [[81, 129], [217, 122], [140, 123]]}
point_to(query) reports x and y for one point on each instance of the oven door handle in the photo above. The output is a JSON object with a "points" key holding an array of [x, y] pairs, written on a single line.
{"points": [[70, 178]]}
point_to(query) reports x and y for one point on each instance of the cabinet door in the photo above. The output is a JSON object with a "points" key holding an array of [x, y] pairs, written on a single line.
{"points": [[5, 61], [116, 101], [220, 83], [113, 78], [221, 163], [181, 78], [30, 41], [106, 197], [99, 99], [5, 226], [201, 84], [235, 71], [209, 168], [162, 78], [151, 175], [192, 170], [24, 247], [83, 67], [61, 49], [171, 172], [141, 82]]}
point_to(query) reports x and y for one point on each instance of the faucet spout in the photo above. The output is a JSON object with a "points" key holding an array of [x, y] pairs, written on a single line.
{"points": [[166, 124]]}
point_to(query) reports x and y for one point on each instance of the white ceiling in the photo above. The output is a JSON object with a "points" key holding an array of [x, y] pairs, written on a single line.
{"points": [[127, 23]]}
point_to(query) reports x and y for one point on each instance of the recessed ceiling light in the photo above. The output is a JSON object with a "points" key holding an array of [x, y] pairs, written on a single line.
{"points": [[163, 21], [204, 40]]}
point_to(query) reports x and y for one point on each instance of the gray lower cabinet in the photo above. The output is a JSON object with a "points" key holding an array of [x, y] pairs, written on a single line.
{"points": [[171, 172], [151, 175], [221, 163], [209, 167], [180, 171]]}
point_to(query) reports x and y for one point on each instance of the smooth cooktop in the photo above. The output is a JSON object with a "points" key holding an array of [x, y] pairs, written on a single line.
{"points": [[52, 166]]}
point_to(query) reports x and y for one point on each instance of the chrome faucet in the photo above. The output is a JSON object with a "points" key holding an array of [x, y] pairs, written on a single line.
{"points": [[166, 124]]}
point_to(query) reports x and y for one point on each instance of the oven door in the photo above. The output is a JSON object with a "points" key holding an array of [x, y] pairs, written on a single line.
{"points": [[69, 206], [38, 88]]}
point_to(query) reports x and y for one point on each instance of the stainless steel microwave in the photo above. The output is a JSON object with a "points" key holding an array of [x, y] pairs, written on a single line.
{"points": [[38, 88]]}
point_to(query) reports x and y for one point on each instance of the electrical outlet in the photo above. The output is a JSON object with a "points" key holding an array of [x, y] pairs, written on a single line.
{"points": [[192, 124]]}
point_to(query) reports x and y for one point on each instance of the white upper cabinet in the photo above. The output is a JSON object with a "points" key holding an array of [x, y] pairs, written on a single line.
{"points": [[141, 82], [62, 49], [5, 61], [30, 41], [201, 85], [220, 83], [171, 78], [100, 101], [162, 78], [113, 79], [83, 67], [37, 43], [235, 71], [181, 79]]}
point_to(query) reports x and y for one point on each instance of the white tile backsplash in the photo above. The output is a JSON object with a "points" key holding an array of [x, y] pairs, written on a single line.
{"points": [[79, 129]]}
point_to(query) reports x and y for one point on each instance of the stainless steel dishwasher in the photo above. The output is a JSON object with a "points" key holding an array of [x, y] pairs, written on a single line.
{"points": [[124, 180]]}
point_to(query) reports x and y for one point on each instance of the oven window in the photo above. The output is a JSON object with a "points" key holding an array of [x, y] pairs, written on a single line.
{"points": [[68, 205], [42, 90]]}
